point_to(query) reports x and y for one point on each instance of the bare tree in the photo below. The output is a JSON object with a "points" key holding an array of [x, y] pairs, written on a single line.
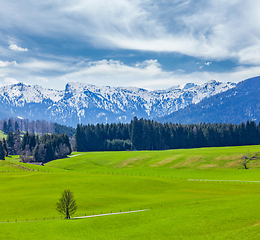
{"points": [[245, 161], [17, 142], [26, 155], [62, 151]]}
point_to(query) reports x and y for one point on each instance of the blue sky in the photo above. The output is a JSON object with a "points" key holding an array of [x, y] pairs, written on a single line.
{"points": [[152, 44]]}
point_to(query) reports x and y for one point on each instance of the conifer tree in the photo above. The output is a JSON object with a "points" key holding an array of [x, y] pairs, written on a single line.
{"points": [[5, 127], [2, 151], [5, 147]]}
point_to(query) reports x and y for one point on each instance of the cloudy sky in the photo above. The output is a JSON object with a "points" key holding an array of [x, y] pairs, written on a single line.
{"points": [[153, 44]]}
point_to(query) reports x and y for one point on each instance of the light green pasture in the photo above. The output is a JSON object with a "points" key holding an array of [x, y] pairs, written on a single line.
{"points": [[2, 135], [121, 181], [206, 163]]}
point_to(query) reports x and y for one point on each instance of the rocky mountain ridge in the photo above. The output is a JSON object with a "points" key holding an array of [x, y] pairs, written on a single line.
{"points": [[84, 103], [235, 105]]}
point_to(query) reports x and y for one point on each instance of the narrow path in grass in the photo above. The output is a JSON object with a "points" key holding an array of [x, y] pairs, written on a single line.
{"points": [[210, 180], [76, 155], [90, 216], [107, 214]]}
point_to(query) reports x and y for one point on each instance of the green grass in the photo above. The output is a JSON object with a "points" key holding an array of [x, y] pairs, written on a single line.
{"points": [[114, 181], [2, 135], [211, 163]]}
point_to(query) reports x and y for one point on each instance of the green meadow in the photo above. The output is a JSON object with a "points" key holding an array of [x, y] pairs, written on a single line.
{"points": [[2, 135], [188, 193]]}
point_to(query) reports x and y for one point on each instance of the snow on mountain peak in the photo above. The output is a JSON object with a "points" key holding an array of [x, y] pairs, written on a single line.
{"points": [[81, 102], [20, 93], [189, 85]]}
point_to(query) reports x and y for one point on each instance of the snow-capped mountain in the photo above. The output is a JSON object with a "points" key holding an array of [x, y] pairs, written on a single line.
{"points": [[84, 103], [236, 105]]}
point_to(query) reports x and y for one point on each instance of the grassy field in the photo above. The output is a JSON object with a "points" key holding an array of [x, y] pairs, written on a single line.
{"points": [[2, 135], [161, 181]]}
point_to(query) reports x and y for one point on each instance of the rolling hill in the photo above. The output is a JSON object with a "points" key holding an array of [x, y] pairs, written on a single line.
{"points": [[187, 194]]}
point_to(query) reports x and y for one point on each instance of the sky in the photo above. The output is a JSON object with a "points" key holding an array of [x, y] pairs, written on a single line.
{"points": [[151, 44]]}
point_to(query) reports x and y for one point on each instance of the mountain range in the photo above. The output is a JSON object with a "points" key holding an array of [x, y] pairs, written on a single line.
{"points": [[84, 103], [235, 105]]}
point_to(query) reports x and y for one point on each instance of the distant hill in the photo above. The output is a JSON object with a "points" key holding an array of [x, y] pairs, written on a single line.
{"points": [[235, 105]]}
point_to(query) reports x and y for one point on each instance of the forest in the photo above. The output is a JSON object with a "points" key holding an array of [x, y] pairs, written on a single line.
{"points": [[139, 134], [143, 134], [34, 148]]}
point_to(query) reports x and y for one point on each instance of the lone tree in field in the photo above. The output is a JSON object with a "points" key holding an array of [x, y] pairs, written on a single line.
{"points": [[67, 204]]}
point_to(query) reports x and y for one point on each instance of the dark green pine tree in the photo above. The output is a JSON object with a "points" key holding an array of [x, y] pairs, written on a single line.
{"points": [[80, 139], [5, 127], [49, 152], [10, 126], [32, 141], [191, 138], [146, 136], [180, 134], [137, 133], [199, 138], [16, 126], [210, 136], [10, 142], [66, 141], [5, 147], [251, 131], [2, 151], [25, 140], [242, 134]]}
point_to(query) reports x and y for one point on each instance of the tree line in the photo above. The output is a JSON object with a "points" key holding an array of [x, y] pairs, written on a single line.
{"points": [[139, 134], [39, 126], [24, 125], [142, 134], [32, 147]]}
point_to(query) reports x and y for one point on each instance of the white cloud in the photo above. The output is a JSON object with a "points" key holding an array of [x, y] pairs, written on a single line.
{"points": [[42, 79], [5, 64], [8, 81], [148, 74], [115, 73], [37, 65], [14, 47], [199, 29], [209, 30], [175, 78]]}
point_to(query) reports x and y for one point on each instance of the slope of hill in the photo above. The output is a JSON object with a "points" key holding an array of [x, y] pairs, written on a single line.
{"points": [[83, 103], [199, 195], [164, 162], [236, 105]]}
